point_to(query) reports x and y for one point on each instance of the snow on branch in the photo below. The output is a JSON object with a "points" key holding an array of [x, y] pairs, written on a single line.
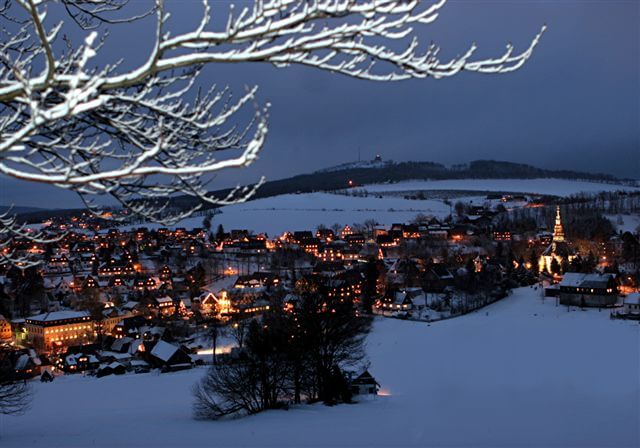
{"points": [[16, 238], [146, 135]]}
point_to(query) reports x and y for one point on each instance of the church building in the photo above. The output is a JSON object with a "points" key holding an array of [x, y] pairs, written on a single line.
{"points": [[559, 249]]}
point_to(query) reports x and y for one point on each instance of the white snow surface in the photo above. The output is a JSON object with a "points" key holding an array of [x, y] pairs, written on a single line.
{"points": [[289, 212], [625, 223], [544, 186], [521, 372]]}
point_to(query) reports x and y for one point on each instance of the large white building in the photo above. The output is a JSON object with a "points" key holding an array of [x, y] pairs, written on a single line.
{"points": [[51, 331]]}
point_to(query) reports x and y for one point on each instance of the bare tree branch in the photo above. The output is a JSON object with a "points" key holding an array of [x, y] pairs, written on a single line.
{"points": [[146, 135]]}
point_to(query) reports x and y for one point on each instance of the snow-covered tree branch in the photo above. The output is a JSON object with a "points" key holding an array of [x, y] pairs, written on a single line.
{"points": [[145, 135]]}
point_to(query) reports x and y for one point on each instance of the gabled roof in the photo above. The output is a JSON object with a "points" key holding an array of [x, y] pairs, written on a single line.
{"points": [[163, 350], [578, 280]]}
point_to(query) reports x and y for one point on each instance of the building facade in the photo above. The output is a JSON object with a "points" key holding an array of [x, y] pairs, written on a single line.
{"points": [[5, 329], [59, 329], [596, 290]]}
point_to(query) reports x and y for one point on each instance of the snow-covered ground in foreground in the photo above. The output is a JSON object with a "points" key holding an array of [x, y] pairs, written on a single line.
{"points": [[518, 373], [556, 187], [289, 212]]}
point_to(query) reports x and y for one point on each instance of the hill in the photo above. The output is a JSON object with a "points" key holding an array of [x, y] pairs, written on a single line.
{"points": [[378, 172], [337, 178], [18, 209]]}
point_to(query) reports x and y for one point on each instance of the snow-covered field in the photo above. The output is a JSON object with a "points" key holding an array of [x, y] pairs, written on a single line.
{"points": [[277, 214], [518, 373], [290, 212], [556, 187], [625, 223]]}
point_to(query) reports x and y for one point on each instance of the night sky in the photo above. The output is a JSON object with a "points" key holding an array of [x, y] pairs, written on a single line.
{"points": [[574, 105]]}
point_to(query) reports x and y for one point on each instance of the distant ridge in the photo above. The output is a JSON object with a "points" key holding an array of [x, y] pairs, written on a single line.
{"points": [[378, 171], [338, 177], [18, 209]]}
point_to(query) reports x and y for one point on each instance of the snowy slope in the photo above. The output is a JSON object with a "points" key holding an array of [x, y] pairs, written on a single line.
{"points": [[525, 374], [277, 214], [557, 187], [625, 223]]}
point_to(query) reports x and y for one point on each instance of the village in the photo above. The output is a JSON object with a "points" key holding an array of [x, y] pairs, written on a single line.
{"points": [[109, 301]]}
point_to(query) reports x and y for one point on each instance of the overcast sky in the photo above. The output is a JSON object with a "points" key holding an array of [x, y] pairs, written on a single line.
{"points": [[574, 105]]}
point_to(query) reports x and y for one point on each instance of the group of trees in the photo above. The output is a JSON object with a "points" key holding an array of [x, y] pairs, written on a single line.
{"points": [[289, 357], [14, 394], [24, 289]]}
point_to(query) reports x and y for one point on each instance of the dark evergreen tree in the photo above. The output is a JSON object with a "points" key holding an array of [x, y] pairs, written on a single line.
{"points": [[370, 287], [220, 233]]}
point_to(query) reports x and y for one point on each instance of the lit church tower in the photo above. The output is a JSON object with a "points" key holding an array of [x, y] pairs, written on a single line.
{"points": [[559, 249], [558, 230]]}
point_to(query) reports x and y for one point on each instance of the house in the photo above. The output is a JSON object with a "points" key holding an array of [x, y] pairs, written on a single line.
{"points": [[400, 300], [59, 329], [167, 356], [325, 234], [588, 289], [164, 305], [115, 368], [501, 235], [129, 326], [310, 245], [438, 277], [364, 384], [205, 303], [632, 304], [257, 280], [300, 236], [333, 251], [5, 329], [111, 316], [79, 362]]}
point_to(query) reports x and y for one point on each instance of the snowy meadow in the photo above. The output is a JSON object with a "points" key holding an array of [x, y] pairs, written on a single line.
{"points": [[521, 372], [277, 214]]}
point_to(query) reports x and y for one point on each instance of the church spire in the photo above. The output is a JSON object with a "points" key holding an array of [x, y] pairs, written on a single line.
{"points": [[558, 230]]}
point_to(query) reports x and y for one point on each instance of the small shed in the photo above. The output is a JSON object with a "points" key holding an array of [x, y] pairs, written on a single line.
{"points": [[364, 384], [169, 357], [632, 303]]}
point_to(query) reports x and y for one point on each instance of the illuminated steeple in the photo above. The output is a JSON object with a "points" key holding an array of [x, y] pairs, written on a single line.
{"points": [[558, 230]]}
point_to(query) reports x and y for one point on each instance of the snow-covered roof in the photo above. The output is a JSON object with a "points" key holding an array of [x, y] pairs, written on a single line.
{"points": [[632, 299], [130, 305], [138, 363], [119, 343], [163, 350], [135, 345], [576, 279], [22, 361], [59, 315]]}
